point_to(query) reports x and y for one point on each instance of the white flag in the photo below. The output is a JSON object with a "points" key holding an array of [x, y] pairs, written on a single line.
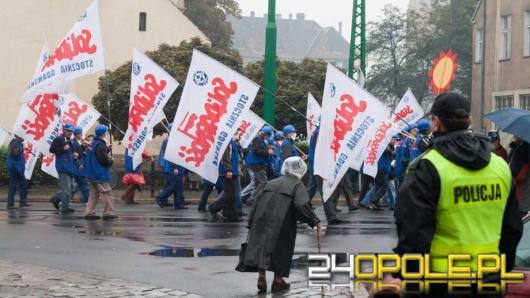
{"points": [[31, 154], [3, 134], [78, 54], [386, 129], [313, 114], [78, 112], [38, 121], [48, 165], [213, 103], [249, 128], [408, 110], [349, 119], [151, 88]]}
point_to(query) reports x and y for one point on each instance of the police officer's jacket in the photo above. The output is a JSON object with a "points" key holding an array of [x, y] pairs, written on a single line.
{"points": [[432, 213]]}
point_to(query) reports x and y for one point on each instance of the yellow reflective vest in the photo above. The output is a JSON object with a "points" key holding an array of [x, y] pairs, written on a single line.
{"points": [[470, 210]]}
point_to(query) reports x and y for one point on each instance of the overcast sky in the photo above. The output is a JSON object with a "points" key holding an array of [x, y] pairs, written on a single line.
{"points": [[325, 12]]}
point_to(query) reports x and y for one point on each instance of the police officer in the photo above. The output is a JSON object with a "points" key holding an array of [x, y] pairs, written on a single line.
{"points": [[457, 198], [16, 168]]}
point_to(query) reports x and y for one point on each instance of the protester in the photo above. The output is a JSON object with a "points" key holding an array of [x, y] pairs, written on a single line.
{"points": [[403, 157], [65, 151], [273, 160], [98, 161], [288, 147], [79, 178], [228, 170], [273, 224], [344, 187], [278, 139], [315, 184], [15, 168], [134, 177], [381, 187], [174, 184], [496, 146], [424, 127], [434, 216], [519, 160], [258, 159]]}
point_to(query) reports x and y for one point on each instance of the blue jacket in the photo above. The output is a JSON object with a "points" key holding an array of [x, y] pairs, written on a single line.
{"points": [[258, 154], [312, 147], [16, 163], [384, 162], [234, 158], [80, 160], [402, 157], [93, 169], [167, 167], [416, 151], [277, 160], [129, 164], [64, 160]]}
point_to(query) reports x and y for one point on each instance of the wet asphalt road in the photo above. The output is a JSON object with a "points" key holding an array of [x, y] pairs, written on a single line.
{"points": [[180, 249]]}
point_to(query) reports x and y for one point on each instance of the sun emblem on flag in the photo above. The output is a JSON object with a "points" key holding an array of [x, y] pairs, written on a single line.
{"points": [[443, 72], [200, 78], [136, 69]]}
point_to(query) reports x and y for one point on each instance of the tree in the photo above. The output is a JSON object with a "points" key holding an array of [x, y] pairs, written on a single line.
{"points": [[404, 49], [210, 17], [175, 60], [294, 81]]}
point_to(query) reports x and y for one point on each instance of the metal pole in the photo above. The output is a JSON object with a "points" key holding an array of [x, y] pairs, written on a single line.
{"points": [[483, 68], [352, 39], [358, 38], [270, 64]]}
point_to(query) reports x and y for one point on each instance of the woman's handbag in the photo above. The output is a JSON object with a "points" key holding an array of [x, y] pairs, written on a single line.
{"points": [[241, 267]]}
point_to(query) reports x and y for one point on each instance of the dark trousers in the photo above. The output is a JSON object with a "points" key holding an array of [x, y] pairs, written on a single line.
{"points": [[227, 200], [17, 179], [365, 185], [173, 186], [82, 185], [344, 188], [381, 186], [354, 179], [330, 208], [208, 189]]}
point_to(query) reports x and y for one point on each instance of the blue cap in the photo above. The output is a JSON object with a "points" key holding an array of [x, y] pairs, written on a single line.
{"points": [[101, 130], [68, 127], [288, 129], [408, 127], [423, 124], [266, 130], [397, 137], [78, 130], [278, 135], [270, 141]]}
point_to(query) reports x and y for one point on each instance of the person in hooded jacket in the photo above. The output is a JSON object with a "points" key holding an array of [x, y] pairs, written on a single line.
{"points": [[457, 198], [519, 160], [273, 224], [65, 150], [16, 167], [97, 165]]}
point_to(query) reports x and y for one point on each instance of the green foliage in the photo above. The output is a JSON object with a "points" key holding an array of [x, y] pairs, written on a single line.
{"points": [[175, 60], [210, 17], [294, 81], [404, 47], [4, 176], [37, 177]]}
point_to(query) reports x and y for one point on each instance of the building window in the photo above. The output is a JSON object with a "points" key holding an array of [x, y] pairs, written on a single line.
{"points": [[526, 33], [479, 40], [503, 102], [506, 27], [143, 21], [524, 101]]}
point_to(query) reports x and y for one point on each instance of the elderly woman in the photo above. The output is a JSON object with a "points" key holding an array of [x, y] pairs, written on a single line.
{"points": [[272, 222]]}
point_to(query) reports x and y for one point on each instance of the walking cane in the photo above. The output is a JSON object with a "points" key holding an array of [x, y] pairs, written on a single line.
{"points": [[318, 239]]}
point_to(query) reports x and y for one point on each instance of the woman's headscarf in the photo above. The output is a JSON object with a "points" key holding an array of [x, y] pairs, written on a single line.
{"points": [[295, 167]]}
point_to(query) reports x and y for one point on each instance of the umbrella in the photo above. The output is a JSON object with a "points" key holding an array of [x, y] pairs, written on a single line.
{"points": [[512, 121]]}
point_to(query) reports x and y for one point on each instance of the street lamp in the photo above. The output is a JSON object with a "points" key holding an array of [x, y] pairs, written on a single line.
{"points": [[270, 64]]}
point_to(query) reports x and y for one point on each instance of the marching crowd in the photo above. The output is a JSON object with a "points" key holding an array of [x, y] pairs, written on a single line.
{"points": [[86, 162]]}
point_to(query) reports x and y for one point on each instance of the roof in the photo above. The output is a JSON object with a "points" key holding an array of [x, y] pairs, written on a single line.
{"points": [[297, 39]]}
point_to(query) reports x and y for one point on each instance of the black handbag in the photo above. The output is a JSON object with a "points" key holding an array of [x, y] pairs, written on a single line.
{"points": [[241, 267]]}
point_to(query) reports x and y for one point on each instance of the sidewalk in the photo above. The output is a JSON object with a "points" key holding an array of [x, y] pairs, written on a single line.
{"points": [[23, 280]]}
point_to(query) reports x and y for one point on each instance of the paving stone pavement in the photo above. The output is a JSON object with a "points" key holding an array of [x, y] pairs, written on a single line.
{"points": [[23, 280]]}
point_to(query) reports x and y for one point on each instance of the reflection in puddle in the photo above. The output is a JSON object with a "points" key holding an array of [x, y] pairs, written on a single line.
{"points": [[180, 252]]}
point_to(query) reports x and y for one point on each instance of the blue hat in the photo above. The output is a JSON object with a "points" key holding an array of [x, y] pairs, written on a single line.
{"points": [[266, 130], [278, 135], [288, 129], [101, 130], [270, 141], [68, 127], [423, 124], [408, 127], [397, 137], [170, 126], [78, 130]]}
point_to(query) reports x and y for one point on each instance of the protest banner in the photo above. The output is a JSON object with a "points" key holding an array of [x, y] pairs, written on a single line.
{"points": [[313, 115], [249, 128]]}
